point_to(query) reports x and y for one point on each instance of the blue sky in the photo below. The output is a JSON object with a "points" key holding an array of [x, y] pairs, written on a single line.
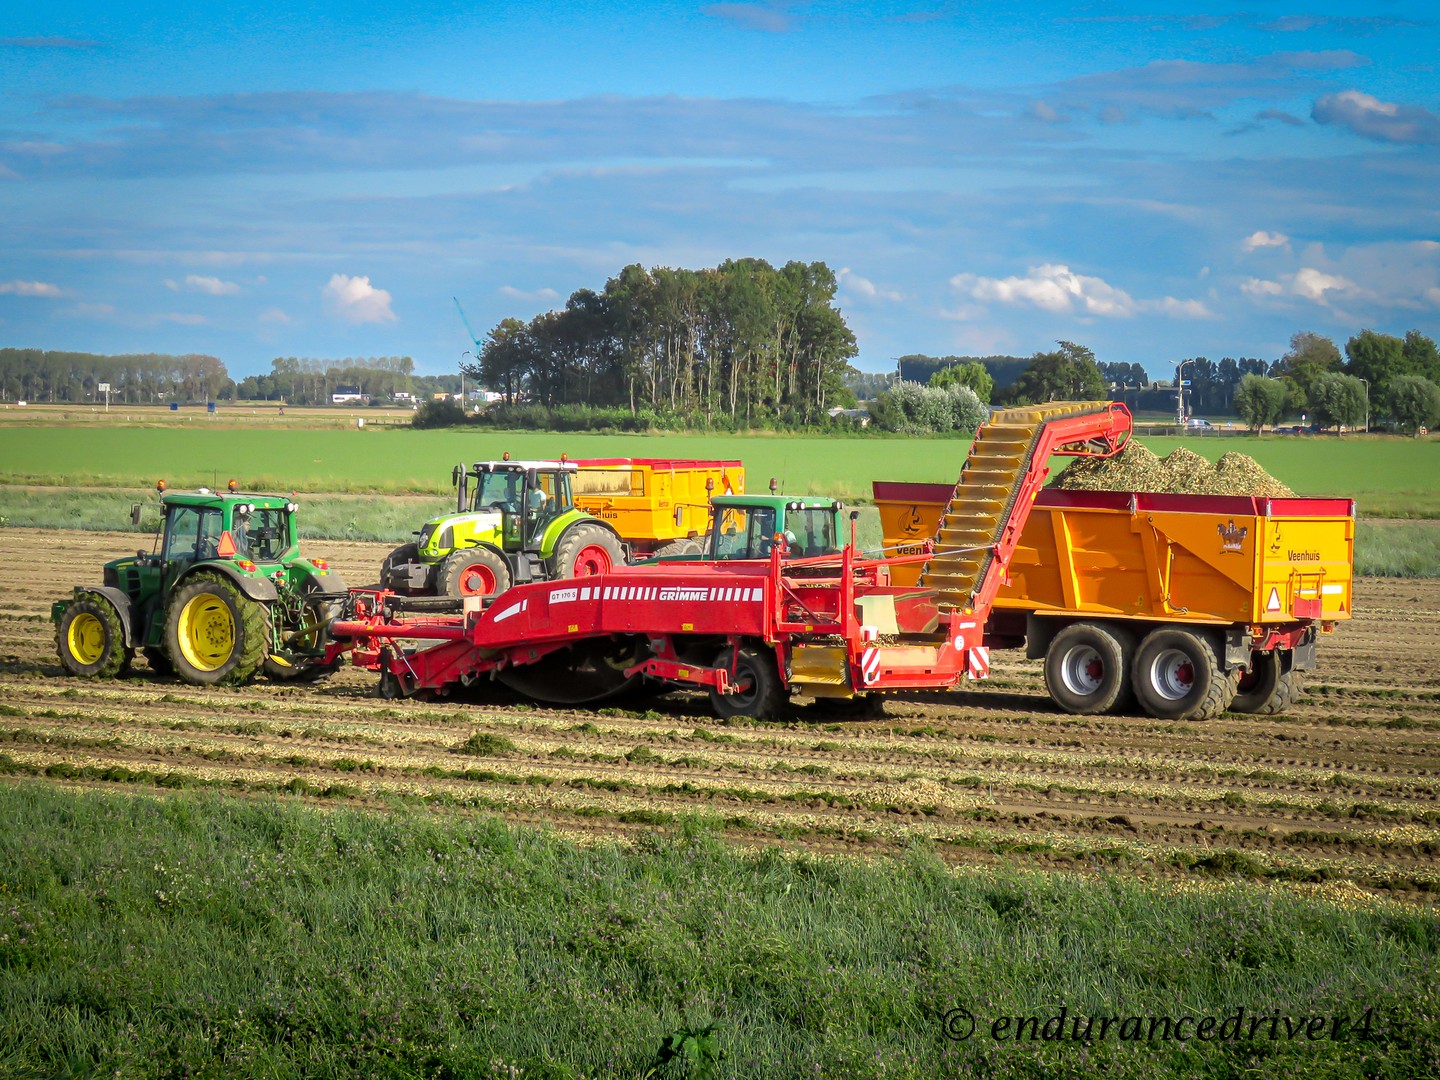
{"points": [[1155, 181]]}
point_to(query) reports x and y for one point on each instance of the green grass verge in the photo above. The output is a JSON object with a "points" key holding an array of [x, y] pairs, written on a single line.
{"points": [[199, 935], [1397, 549]]}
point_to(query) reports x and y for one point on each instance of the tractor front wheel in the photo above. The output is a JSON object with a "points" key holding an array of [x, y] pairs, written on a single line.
{"points": [[91, 641], [473, 572], [587, 550], [391, 576], [214, 634]]}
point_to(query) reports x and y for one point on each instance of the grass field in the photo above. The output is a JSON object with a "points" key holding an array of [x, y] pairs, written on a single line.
{"points": [[1387, 477], [209, 936]]}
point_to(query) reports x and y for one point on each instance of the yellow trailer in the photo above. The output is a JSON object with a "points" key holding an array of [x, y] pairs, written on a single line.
{"points": [[1124, 594], [658, 506]]}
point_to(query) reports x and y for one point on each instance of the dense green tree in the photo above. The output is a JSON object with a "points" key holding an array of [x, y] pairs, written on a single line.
{"points": [[1376, 358], [1310, 356], [1421, 356], [1067, 374], [1412, 402], [972, 375], [1336, 400], [1260, 401]]}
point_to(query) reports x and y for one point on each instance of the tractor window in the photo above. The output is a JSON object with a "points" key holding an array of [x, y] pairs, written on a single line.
{"points": [[744, 533], [192, 533], [263, 536], [548, 498], [814, 531], [500, 489]]}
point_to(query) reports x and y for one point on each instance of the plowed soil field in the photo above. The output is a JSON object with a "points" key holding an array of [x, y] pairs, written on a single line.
{"points": [[1341, 795]]}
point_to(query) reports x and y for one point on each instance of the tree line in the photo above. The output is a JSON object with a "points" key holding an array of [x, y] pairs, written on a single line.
{"points": [[1380, 379], [739, 344], [55, 376]]}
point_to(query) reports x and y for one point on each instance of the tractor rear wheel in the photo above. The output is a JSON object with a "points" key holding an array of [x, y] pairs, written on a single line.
{"points": [[1178, 676], [215, 635], [473, 572], [758, 691], [585, 551], [390, 575], [91, 641]]}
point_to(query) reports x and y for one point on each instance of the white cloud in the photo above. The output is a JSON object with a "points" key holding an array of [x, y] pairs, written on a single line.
{"points": [[1056, 288], [210, 285], [1383, 121], [859, 286], [1308, 283], [510, 292], [1263, 239], [355, 300], [29, 288], [275, 315]]}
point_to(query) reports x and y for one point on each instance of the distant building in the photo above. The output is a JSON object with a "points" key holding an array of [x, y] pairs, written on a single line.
{"points": [[349, 395], [860, 416]]}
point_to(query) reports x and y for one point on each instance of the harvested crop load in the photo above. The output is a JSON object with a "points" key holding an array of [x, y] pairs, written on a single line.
{"points": [[1181, 472]]}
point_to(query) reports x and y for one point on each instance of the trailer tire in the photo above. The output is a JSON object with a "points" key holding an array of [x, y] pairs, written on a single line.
{"points": [[586, 550], [473, 572], [759, 693], [1177, 676], [91, 641], [677, 547], [215, 635], [1085, 669], [401, 556], [1270, 686]]}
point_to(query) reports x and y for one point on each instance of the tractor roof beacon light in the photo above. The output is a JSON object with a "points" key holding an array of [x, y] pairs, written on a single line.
{"points": [[233, 486], [160, 486], [774, 485]]}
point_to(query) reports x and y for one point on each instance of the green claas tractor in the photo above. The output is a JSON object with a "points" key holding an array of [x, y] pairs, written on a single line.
{"points": [[514, 521], [225, 596]]}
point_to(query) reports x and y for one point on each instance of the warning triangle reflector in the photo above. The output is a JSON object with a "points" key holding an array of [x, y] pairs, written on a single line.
{"points": [[1273, 604], [226, 548]]}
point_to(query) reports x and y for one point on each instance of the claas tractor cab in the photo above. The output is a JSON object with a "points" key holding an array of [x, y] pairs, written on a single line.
{"points": [[514, 521], [223, 595]]}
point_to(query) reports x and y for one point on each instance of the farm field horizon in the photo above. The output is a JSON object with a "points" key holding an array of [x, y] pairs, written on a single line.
{"points": [[1387, 476]]}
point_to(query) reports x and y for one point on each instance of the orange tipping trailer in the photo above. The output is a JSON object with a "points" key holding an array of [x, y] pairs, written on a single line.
{"points": [[656, 505]]}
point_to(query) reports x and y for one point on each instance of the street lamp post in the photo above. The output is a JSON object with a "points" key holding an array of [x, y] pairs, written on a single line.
{"points": [[1180, 391]]}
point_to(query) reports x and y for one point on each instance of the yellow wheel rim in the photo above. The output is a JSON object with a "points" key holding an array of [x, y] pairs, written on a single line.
{"points": [[206, 632], [86, 638]]}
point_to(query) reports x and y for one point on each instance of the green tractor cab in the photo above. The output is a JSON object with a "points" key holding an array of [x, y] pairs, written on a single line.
{"points": [[745, 527], [224, 595], [514, 521]]}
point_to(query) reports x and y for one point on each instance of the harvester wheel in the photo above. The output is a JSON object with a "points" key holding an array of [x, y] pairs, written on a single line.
{"points": [[1177, 676], [585, 551], [401, 556], [214, 634], [758, 691], [678, 547], [91, 641], [1085, 669], [473, 572], [313, 635], [1269, 687]]}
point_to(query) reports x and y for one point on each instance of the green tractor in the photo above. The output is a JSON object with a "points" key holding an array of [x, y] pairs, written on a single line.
{"points": [[514, 521], [745, 527], [225, 596]]}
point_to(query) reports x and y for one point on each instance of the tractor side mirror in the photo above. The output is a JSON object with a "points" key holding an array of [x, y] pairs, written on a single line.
{"points": [[455, 476], [135, 514]]}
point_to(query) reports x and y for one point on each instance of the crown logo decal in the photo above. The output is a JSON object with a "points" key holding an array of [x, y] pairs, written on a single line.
{"points": [[1232, 536]]}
